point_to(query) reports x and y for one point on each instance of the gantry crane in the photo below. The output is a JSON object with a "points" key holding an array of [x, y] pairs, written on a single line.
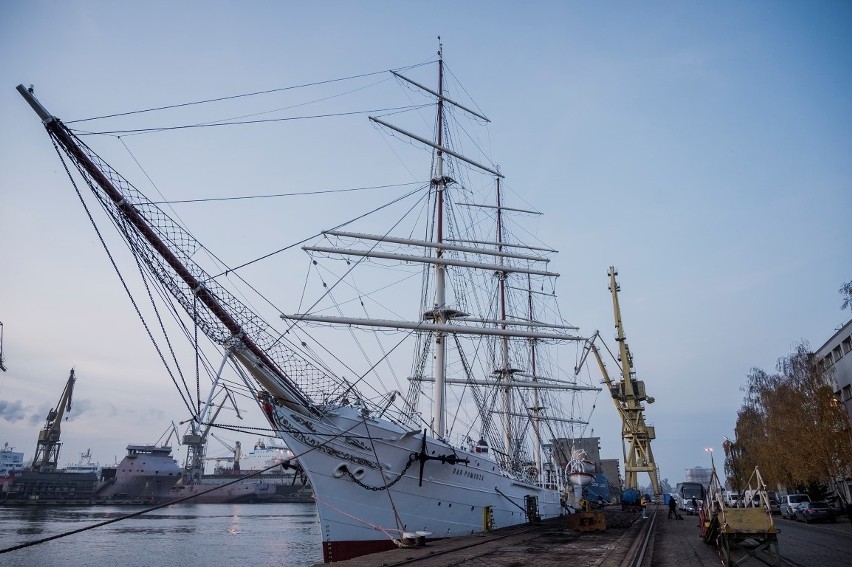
{"points": [[627, 395], [47, 447]]}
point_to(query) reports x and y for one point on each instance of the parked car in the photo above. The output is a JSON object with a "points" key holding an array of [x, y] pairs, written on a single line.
{"points": [[774, 506], [814, 511], [790, 502]]}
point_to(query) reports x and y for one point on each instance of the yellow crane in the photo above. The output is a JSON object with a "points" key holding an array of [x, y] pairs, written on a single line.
{"points": [[47, 447], [628, 395]]}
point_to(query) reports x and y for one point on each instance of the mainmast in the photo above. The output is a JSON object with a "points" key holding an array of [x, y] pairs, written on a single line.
{"points": [[504, 372], [439, 182], [536, 409]]}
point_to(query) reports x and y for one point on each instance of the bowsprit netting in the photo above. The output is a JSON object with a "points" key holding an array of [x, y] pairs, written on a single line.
{"points": [[225, 320]]}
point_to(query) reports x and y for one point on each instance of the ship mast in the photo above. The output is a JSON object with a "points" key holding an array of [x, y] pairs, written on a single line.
{"points": [[439, 182], [504, 372], [536, 409]]}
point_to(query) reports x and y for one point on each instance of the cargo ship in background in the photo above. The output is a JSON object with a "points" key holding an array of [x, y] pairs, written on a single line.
{"points": [[145, 475], [267, 474], [274, 476], [11, 463], [43, 483]]}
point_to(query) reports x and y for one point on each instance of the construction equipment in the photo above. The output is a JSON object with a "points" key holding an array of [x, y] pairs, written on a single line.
{"points": [[747, 532], [628, 396], [587, 522], [47, 446]]}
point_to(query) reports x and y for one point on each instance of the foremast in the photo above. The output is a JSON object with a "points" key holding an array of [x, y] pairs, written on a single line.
{"points": [[440, 313]]}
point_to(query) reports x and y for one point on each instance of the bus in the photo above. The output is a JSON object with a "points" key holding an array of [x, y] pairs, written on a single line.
{"points": [[685, 492]]}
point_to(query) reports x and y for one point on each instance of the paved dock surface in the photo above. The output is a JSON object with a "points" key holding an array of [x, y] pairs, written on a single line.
{"points": [[674, 543]]}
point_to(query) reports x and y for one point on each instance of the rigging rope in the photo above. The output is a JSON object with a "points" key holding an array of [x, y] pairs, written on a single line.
{"points": [[118, 272], [245, 95], [295, 194], [237, 123]]}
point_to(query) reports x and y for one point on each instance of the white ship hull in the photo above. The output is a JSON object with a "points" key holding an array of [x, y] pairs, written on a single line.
{"points": [[360, 515]]}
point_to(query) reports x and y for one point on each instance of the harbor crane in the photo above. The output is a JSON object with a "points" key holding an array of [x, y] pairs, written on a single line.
{"points": [[236, 451], [199, 428], [47, 447], [2, 365], [628, 395]]}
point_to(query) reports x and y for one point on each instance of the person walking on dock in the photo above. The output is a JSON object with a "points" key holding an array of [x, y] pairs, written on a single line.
{"points": [[673, 509]]}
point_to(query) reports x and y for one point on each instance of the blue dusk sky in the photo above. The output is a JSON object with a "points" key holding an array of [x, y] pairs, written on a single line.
{"points": [[702, 148]]}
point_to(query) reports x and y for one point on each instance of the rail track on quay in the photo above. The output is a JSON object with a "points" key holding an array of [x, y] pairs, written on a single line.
{"points": [[625, 543]]}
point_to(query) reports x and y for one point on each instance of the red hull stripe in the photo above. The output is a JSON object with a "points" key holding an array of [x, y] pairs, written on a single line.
{"points": [[343, 550]]}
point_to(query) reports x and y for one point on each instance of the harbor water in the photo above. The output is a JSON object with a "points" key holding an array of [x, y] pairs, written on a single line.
{"points": [[191, 535]]}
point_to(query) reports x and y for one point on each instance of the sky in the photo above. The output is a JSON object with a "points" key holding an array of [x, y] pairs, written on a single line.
{"points": [[700, 148]]}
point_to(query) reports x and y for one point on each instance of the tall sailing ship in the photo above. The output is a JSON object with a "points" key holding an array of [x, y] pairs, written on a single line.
{"points": [[471, 442]]}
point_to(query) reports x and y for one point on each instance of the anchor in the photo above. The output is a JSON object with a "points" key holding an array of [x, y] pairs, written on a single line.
{"points": [[452, 459]]}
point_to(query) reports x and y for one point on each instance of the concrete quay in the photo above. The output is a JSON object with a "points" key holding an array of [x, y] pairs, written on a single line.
{"points": [[673, 543]]}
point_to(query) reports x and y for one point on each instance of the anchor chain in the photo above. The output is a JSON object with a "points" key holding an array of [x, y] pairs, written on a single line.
{"points": [[411, 459]]}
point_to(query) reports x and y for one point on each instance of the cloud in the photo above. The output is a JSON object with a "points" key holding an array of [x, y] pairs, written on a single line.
{"points": [[13, 411]]}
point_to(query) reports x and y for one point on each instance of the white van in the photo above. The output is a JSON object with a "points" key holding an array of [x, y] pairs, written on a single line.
{"points": [[731, 498], [790, 502]]}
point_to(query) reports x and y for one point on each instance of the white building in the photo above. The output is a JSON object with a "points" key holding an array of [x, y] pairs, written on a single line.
{"points": [[835, 357], [698, 474]]}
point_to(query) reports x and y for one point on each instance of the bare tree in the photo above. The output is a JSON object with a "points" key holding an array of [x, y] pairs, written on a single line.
{"points": [[791, 425], [846, 292]]}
